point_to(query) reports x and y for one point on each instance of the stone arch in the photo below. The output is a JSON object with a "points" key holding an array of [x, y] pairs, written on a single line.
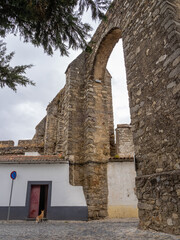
{"points": [[150, 39], [106, 46], [103, 52], [150, 33]]}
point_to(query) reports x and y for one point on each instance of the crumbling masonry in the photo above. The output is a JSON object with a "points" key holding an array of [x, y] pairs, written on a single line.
{"points": [[79, 121]]}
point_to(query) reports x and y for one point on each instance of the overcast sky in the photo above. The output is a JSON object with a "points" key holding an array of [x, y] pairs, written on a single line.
{"points": [[21, 111]]}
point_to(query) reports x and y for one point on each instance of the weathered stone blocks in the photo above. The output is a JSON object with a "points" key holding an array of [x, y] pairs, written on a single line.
{"points": [[124, 141], [79, 121], [159, 201]]}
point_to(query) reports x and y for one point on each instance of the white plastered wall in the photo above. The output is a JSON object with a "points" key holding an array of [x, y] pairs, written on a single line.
{"points": [[122, 201], [63, 194]]}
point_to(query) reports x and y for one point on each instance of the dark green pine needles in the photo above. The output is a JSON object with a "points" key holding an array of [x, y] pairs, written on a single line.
{"points": [[52, 24]]}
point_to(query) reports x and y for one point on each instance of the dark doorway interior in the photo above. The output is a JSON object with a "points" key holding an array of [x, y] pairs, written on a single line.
{"points": [[43, 198], [38, 200]]}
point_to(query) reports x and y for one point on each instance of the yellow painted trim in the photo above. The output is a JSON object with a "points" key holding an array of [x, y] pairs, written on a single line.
{"points": [[122, 211]]}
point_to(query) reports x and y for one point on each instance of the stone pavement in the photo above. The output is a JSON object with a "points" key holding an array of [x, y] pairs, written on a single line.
{"points": [[110, 229]]}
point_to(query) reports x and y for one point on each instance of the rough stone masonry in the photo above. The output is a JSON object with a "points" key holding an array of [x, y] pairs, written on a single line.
{"points": [[79, 121], [150, 34]]}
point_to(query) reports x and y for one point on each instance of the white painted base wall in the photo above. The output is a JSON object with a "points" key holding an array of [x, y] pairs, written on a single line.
{"points": [[122, 201], [63, 194]]}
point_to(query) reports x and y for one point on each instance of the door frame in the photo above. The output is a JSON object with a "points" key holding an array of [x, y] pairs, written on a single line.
{"points": [[28, 194]]}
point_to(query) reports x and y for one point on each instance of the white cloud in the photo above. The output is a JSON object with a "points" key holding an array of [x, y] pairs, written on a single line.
{"points": [[29, 109], [20, 112]]}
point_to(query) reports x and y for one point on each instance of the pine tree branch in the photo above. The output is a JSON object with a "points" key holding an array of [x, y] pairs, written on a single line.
{"points": [[12, 76]]}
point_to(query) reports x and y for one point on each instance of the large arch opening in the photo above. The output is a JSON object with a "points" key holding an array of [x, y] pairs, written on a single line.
{"points": [[104, 52], [122, 201]]}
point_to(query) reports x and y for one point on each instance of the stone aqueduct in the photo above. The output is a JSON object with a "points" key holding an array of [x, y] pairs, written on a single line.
{"points": [[79, 121]]}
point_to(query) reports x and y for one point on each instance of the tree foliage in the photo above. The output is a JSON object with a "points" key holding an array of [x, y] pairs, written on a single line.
{"points": [[11, 76], [52, 24]]}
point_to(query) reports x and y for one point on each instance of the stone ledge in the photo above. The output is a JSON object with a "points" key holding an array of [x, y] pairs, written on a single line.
{"points": [[30, 143], [124, 126], [31, 159], [17, 150], [131, 159], [125, 159], [159, 174], [87, 162], [8, 143]]}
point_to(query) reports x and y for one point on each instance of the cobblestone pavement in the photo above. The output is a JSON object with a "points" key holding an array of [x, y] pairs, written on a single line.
{"points": [[125, 229]]}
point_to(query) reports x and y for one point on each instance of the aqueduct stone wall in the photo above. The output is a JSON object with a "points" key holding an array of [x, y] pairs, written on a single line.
{"points": [[150, 34], [79, 121]]}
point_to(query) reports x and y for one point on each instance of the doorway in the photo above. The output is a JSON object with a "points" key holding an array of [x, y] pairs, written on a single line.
{"points": [[38, 200]]}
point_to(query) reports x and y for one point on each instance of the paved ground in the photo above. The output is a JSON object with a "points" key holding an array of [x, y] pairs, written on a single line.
{"points": [[125, 229]]}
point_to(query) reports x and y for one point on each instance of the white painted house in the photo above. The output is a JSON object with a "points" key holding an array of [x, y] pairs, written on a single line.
{"points": [[42, 183]]}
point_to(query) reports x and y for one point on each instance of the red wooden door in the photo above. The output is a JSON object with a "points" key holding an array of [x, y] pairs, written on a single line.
{"points": [[34, 201]]}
